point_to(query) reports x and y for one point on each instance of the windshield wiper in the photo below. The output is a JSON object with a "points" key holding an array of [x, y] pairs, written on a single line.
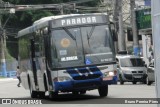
{"points": [[69, 33], [91, 32]]}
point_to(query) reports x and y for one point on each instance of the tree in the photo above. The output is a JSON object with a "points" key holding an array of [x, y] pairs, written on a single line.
{"points": [[24, 19]]}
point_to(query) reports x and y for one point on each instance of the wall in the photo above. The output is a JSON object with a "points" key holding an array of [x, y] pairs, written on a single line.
{"points": [[156, 41]]}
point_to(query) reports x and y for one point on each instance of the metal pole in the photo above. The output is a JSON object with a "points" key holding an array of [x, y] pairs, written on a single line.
{"points": [[115, 20], [3, 61], [134, 28], [61, 10], [121, 36]]}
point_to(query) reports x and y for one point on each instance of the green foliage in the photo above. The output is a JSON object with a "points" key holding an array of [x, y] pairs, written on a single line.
{"points": [[26, 18], [23, 19], [12, 48]]}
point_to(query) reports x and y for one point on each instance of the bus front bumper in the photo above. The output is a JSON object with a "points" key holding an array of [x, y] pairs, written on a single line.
{"points": [[67, 86]]}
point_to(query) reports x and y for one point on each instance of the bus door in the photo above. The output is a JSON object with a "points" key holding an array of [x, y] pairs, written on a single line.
{"points": [[33, 61]]}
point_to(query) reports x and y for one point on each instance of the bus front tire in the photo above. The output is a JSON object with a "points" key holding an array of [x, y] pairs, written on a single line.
{"points": [[41, 94], [53, 95], [83, 92], [103, 91], [75, 92], [134, 82], [33, 93]]}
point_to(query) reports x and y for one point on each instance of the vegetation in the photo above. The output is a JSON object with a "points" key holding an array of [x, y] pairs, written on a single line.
{"points": [[23, 19]]}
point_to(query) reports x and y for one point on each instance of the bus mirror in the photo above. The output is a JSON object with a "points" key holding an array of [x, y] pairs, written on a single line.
{"points": [[114, 35], [113, 32], [45, 31]]}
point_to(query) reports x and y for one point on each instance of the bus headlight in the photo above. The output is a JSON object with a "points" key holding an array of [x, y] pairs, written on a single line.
{"points": [[108, 75], [61, 79], [111, 74]]}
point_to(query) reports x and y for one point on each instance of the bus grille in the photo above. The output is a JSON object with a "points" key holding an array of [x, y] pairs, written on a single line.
{"points": [[90, 76]]}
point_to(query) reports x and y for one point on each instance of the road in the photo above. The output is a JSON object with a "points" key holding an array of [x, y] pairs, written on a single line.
{"points": [[9, 89]]}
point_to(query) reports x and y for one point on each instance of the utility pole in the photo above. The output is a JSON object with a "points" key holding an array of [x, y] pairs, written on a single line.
{"points": [[134, 28], [61, 10], [3, 61], [115, 20], [121, 36]]}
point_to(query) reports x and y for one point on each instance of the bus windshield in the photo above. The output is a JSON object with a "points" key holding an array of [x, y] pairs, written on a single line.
{"points": [[131, 62], [81, 46]]}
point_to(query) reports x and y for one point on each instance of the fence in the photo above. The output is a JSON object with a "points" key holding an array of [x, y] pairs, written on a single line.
{"points": [[11, 66]]}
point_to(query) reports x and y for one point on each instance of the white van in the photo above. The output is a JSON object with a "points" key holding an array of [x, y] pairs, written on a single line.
{"points": [[131, 68]]}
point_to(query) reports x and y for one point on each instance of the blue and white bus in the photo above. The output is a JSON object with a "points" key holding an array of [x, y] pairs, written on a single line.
{"points": [[67, 53]]}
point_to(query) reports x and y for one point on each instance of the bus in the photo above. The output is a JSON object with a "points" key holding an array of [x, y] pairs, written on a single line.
{"points": [[67, 53]]}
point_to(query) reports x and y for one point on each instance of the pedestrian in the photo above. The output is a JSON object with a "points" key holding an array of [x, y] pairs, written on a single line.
{"points": [[18, 76]]}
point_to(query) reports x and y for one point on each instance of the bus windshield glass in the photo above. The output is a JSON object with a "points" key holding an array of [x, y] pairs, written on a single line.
{"points": [[131, 62], [80, 46]]}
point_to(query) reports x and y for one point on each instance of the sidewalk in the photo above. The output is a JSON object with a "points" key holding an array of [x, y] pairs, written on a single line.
{"points": [[8, 79]]}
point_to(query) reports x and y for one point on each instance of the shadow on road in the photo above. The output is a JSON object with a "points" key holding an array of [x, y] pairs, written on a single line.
{"points": [[75, 99]]}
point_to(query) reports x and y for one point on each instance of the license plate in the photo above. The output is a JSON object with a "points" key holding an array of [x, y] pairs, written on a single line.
{"points": [[137, 76]]}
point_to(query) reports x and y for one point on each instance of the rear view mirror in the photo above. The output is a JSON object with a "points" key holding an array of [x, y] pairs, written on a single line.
{"points": [[113, 32]]}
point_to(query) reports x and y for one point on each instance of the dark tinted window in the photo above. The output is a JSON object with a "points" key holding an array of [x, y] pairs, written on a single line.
{"points": [[131, 62]]}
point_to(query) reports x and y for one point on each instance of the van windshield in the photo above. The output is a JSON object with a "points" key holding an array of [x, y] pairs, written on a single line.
{"points": [[131, 62]]}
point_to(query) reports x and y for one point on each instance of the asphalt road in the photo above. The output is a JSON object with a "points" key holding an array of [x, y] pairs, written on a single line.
{"points": [[9, 89]]}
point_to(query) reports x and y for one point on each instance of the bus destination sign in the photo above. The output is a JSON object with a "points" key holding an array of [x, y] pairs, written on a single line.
{"points": [[81, 20]]}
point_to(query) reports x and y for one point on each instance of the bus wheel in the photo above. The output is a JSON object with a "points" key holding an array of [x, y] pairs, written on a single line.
{"points": [[75, 92], [41, 94], [83, 92], [103, 91], [33, 93], [134, 82], [53, 94]]}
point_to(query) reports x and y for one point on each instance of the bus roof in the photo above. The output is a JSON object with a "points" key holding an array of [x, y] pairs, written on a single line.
{"points": [[44, 22]]}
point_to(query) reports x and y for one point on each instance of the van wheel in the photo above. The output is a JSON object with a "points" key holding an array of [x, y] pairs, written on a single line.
{"points": [[121, 80], [148, 82], [103, 91], [145, 82]]}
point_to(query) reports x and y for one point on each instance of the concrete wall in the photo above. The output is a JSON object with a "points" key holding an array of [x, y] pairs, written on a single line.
{"points": [[156, 41]]}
